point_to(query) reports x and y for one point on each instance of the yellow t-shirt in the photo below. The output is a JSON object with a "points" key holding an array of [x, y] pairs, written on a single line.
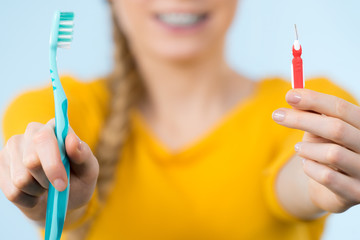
{"points": [[221, 186]]}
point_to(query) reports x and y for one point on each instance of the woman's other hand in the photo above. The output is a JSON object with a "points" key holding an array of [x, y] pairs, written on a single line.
{"points": [[330, 148]]}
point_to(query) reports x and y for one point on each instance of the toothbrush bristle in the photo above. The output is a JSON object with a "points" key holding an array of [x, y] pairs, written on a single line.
{"points": [[66, 26]]}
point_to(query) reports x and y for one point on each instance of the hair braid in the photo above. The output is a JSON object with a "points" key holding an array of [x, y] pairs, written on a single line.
{"points": [[124, 84], [125, 87]]}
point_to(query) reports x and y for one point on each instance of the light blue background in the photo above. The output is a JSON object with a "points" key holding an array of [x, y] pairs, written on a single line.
{"points": [[259, 45]]}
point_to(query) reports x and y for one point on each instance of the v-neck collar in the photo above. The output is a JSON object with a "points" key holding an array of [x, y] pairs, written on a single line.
{"points": [[189, 150]]}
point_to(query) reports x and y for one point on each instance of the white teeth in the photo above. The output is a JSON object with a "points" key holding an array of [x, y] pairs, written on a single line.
{"points": [[180, 19]]}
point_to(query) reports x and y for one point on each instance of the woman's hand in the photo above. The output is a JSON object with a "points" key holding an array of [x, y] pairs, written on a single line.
{"points": [[330, 148], [29, 161]]}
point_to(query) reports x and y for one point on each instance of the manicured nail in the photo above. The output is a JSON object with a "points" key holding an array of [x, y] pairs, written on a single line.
{"points": [[278, 115], [293, 97], [80, 145], [59, 184], [297, 147], [302, 159]]}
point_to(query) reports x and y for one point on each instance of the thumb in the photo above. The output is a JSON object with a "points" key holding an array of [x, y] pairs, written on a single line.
{"points": [[82, 161]]}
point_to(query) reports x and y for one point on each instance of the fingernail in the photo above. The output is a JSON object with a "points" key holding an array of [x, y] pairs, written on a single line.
{"points": [[59, 184], [278, 115], [79, 145], [302, 159], [293, 97], [297, 147]]}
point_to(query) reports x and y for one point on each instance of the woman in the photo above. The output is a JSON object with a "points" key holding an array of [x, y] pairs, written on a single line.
{"points": [[186, 147]]}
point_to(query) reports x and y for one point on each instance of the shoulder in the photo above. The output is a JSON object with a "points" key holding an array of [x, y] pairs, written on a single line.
{"points": [[276, 88], [94, 94], [88, 106], [271, 96], [326, 86], [74, 88]]}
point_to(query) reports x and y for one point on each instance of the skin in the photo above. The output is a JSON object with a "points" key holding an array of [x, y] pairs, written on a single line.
{"points": [[331, 152], [30, 161], [189, 88], [189, 84]]}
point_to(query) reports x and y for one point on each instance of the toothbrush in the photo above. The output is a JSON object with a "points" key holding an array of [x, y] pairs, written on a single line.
{"points": [[297, 64], [61, 37]]}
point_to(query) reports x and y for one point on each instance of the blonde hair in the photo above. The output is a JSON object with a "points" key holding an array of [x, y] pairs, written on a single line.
{"points": [[125, 87]]}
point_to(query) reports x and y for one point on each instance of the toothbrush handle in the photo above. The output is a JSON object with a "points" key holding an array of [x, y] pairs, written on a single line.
{"points": [[56, 211], [57, 201]]}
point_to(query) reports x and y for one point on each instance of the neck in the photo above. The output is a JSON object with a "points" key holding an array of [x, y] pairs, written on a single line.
{"points": [[178, 88], [186, 99]]}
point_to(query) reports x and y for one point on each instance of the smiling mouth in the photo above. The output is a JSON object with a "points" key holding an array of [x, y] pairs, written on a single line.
{"points": [[181, 20]]}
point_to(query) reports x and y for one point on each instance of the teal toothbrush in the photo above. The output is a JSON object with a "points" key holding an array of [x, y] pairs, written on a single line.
{"points": [[61, 37]]}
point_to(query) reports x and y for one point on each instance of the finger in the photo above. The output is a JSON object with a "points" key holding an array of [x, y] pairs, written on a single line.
{"points": [[331, 154], [306, 99], [48, 151], [340, 184], [31, 159], [83, 162], [310, 137], [21, 177], [327, 127], [32, 163], [12, 193]]}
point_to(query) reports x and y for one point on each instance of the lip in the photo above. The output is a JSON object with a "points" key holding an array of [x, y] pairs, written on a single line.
{"points": [[182, 29]]}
